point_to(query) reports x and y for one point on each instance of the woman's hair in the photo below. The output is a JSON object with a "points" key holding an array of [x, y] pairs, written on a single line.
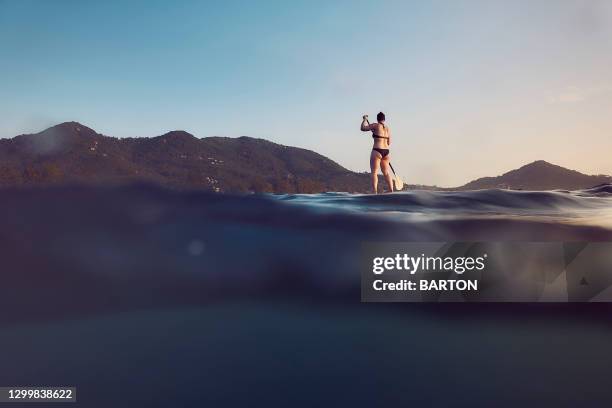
{"points": [[380, 117]]}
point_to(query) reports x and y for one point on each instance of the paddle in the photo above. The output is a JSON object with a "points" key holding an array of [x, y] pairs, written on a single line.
{"points": [[399, 184]]}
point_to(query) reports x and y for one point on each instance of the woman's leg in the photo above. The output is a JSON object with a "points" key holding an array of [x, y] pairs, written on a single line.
{"points": [[386, 170], [374, 165]]}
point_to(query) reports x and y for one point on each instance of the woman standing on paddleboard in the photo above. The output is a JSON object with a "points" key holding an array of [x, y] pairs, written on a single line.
{"points": [[379, 157]]}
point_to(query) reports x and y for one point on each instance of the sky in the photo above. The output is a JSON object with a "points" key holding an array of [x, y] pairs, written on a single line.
{"points": [[470, 88]]}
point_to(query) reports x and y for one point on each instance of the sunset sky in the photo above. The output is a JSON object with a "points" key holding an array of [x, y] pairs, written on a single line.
{"points": [[470, 88]]}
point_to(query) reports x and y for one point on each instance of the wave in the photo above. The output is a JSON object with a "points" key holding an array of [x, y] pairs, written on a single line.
{"points": [[457, 203], [602, 190]]}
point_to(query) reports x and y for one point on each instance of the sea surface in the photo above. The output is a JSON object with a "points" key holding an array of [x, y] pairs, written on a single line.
{"points": [[142, 296], [591, 207]]}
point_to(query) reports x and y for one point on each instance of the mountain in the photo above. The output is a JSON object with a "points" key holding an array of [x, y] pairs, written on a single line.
{"points": [[539, 175], [73, 153]]}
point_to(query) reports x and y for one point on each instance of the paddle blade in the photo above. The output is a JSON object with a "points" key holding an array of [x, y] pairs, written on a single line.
{"points": [[399, 184]]}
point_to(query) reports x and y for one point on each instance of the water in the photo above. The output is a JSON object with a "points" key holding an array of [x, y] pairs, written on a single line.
{"points": [[587, 207], [190, 299]]}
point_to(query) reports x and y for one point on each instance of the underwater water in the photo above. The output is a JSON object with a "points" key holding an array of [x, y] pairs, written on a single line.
{"points": [[141, 296]]}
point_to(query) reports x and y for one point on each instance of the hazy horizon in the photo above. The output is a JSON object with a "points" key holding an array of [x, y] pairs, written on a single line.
{"points": [[470, 90]]}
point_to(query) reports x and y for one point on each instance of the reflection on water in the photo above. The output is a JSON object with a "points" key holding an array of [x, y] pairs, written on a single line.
{"points": [[586, 207]]}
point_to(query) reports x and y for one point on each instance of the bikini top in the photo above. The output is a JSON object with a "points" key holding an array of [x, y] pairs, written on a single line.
{"points": [[380, 137]]}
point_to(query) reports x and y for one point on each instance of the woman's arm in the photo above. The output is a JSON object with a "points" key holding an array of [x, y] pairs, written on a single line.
{"points": [[389, 135], [365, 125]]}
